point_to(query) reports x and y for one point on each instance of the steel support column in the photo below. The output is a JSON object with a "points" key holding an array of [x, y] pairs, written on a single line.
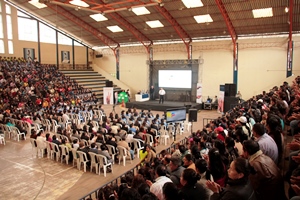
{"points": [[289, 68], [233, 37]]}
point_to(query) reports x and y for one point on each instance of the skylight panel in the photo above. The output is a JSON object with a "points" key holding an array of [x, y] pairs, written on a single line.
{"points": [[79, 3], [37, 4], [140, 11], [192, 3], [155, 24], [264, 12], [98, 17], [115, 29], [203, 18]]}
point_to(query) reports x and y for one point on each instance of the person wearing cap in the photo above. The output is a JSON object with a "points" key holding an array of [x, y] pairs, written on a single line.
{"points": [[245, 125], [220, 133]]}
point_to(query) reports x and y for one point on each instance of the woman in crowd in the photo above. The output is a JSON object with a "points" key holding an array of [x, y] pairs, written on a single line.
{"points": [[238, 186], [192, 190], [216, 166]]}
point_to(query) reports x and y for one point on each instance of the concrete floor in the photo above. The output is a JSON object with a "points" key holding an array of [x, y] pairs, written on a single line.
{"points": [[24, 176]]}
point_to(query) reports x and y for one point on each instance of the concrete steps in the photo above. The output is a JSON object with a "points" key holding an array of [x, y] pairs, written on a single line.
{"points": [[91, 80]]}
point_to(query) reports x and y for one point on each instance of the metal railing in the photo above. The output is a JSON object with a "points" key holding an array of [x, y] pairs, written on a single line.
{"points": [[134, 170], [207, 121], [67, 66]]}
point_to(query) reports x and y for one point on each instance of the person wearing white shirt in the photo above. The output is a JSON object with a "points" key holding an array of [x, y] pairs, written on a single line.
{"points": [[162, 93], [157, 187]]}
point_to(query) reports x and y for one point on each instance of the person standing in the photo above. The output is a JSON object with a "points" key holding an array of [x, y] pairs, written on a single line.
{"points": [[152, 90], [116, 97], [162, 93]]}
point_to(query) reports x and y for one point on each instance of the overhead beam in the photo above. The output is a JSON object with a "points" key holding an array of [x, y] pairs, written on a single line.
{"points": [[101, 36], [179, 30], [227, 20], [137, 34], [233, 37]]}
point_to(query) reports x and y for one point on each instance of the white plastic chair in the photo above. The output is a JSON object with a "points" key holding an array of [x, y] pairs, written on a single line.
{"points": [[40, 147], [123, 154], [37, 127], [137, 146], [49, 150], [82, 159], [2, 139], [64, 153], [103, 164], [171, 131], [48, 125], [34, 146], [112, 151], [150, 139], [55, 125], [7, 131], [75, 157], [94, 162], [56, 151], [118, 138], [17, 133]]}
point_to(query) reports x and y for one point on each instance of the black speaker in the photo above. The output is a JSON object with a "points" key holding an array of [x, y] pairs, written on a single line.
{"points": [[99, 55], [193, 115], [109, 84], [230, 90], [230, 102]]}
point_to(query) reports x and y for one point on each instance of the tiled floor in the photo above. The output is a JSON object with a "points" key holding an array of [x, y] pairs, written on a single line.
{"points": [[24, 176]]}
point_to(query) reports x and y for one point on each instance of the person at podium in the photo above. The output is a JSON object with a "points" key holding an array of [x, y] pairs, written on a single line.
{"points": [[162, 93]]}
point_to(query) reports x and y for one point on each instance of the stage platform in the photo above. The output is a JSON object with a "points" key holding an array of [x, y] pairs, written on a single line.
{"points": [[154, 105]]}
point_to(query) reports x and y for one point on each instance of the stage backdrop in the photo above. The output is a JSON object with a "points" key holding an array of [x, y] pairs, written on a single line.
{"points": [[108, 98], [175, 94], [29, 54]]}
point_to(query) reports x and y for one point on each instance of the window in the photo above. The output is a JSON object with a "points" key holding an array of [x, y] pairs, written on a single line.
{"points": [[47, 34], [27, 29], [62, 39], [77, 44], [21, 14], [1, 27], [7, 9], [10, 47], [9, 27], [2, 46]]}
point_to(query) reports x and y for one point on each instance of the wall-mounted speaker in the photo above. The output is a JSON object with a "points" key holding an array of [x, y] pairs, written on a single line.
{"points": [[99, 55], [193, 115]]}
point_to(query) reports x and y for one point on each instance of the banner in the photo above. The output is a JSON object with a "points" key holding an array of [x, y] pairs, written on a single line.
{"points": [[108, 98], [221, 99], [65, 56], [199, 93], [29, 54]]}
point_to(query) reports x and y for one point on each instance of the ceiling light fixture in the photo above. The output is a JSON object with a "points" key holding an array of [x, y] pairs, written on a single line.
{"points": [[115, 29], [79, 3], [192, 3], [140, 11], [203, 19], [98, 17], [264, 12], [155, 24]]}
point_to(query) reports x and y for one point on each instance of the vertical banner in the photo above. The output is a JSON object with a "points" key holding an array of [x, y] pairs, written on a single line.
{"points": [[290, 50], [118, 63], [221, 99], [29, 54], [108, 98], [65, 56], [199, 93], [190, 52], [150, 53], [235, 64]]}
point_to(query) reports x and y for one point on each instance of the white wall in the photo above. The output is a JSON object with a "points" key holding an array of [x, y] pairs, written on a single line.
{"points": [[262, 63]]}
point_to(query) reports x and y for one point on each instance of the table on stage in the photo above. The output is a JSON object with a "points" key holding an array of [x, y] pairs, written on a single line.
{"points": [[142, 97]]}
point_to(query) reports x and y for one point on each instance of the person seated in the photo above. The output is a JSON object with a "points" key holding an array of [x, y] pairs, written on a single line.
{"points": [[104, 152], [209, 100], [55, 140], [94, 148]]}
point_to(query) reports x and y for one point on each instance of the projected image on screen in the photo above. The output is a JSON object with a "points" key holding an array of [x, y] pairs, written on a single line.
{"points": [[176, 115], [175, 78]]}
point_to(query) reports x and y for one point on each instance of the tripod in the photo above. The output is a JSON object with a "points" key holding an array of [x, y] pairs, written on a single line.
{"points": [[113, 110]]}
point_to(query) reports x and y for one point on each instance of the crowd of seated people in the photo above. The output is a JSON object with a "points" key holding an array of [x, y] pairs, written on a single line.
{"points": [[237, 156]]}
